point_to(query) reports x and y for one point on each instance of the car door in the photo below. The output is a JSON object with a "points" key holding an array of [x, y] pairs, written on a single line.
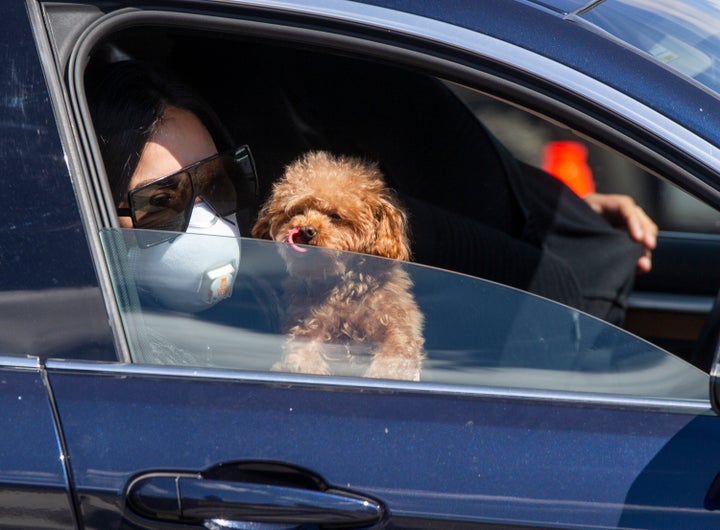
{"points": [[529, 413]]}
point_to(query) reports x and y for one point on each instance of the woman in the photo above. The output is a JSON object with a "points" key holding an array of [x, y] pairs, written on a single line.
{"points": [[160, 148], [171, 169], [149, 126]]}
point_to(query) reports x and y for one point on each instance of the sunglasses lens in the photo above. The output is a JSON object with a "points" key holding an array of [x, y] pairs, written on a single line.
{"points": [[228, 182], [215, 186], [165, 204]]}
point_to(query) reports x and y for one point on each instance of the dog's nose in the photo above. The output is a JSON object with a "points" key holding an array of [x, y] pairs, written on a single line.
{"points": [[307, 233]]}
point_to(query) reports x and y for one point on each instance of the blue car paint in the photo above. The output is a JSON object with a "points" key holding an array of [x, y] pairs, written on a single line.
{"points": [[505, 460], [34, 490], [43, 228], [43, 246]]}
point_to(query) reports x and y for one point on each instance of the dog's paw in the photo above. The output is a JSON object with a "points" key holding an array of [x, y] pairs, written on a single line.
{"points": [[404, 369]]}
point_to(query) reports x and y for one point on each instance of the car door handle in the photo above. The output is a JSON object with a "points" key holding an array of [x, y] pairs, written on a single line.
{"points": [[194, 498]]}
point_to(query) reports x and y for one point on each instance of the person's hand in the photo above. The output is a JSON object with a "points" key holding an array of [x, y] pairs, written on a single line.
{"points": [[622, 211]]}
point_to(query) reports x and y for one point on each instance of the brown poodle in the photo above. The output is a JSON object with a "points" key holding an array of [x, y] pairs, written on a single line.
{"points": [[347, 315]]}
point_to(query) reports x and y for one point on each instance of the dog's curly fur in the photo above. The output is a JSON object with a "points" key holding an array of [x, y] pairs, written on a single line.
{"points": [[346, 314]]}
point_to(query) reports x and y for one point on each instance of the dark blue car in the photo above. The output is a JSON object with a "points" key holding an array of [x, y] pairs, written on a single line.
{"points": [[119, 412]]}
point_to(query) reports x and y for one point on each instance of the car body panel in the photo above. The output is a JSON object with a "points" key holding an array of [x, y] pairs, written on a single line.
{"points": [[514, 460], [44, 255], [38, 194], [34, 490]]}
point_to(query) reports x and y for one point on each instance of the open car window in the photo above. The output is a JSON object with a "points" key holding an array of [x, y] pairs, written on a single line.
{"points": [[476, 332], [586, 166]]}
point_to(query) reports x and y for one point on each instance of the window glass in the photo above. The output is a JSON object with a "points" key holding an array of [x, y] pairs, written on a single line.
{"points": [[586, 166], [684, 36], [231, 308]]}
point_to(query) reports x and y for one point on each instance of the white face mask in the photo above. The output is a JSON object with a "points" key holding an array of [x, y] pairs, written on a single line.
{"points": [[192, 271], [205, 221]]}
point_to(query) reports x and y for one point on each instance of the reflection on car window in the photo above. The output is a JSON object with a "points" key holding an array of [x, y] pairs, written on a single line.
{"points": [[476, 332], [684, 37]]}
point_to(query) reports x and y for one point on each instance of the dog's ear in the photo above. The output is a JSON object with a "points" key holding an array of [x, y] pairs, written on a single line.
{"points": [[391, 233]]}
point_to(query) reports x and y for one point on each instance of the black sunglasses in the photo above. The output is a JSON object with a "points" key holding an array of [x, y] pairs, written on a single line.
{"points": [[225, 181]]}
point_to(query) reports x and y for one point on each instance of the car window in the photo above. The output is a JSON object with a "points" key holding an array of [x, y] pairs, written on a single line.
{"points": [[476, 332], [683, 38], [233, 314], [589, 167]]}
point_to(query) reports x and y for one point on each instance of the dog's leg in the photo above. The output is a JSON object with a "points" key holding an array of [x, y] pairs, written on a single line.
{"points": [[304, 357], [400, 352]]}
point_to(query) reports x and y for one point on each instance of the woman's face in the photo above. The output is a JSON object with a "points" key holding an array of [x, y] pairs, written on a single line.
{"points": [[180, 140]]}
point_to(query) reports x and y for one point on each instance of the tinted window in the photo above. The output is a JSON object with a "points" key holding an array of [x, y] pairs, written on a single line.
{"points": [[476, 332]]}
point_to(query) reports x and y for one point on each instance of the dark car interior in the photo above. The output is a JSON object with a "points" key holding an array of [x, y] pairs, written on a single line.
{"points": [[286, 97]]}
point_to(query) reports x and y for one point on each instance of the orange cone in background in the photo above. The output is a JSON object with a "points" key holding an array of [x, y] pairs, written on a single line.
{"points": [[568, 162]]}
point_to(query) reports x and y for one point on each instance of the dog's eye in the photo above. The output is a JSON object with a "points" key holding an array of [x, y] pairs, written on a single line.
{"points": [[294, 212], [335, 216]]}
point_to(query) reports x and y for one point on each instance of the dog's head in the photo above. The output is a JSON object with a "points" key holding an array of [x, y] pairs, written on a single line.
{"points": [[339, 203]]}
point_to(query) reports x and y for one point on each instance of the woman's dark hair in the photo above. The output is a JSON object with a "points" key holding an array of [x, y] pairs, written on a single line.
{"points": [[127, 100]]}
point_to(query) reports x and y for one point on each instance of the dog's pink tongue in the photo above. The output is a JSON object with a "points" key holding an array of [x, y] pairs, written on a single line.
{"points": [[291, 240]]}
